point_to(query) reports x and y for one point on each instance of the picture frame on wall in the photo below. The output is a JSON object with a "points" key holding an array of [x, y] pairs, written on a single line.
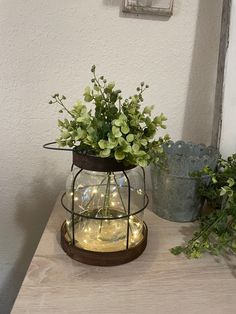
{"points": [[153, 7]]}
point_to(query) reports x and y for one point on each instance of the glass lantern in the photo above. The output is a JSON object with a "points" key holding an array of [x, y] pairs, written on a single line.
{"points": [[104, 201]]}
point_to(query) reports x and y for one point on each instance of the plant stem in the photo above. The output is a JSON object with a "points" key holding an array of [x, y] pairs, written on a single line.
{"points": [[100, 87], [207, 229], [58, 100]]}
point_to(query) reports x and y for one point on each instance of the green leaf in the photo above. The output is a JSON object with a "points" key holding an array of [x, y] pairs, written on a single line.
{"points": [[134, 100], [122, 141], [143, 142], [88, 98], [158, 120], [233, 245], [69, 143], [125, 129], [84, 118], [110, 85], [127, 149], [90, 130], [122, 117], [223, 191], [177, 250], [141, 153], [80, 134], [60, 142], [66, 123], [135, 147], [60, 123], [102, 144], [116, 132], [148, 121], [113, 97], [78, 106], [130, 138], [230, 182], [65, 134], [87, 91], [117, 122], [96, 88], [142, 162], [214, 180], [105, 153], [119, 154], [124, 146], [148, 110], [226, 190], [112, 140]]}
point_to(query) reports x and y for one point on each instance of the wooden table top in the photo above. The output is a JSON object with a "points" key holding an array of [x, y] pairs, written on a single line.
{"points": [[156, 282]]}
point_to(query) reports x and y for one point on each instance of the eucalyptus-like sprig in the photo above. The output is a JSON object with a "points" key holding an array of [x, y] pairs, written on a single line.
{"points": [[217, 230], [114, 127]]}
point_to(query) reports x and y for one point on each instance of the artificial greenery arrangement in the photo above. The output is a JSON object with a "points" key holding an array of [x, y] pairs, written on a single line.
{"points": [[113, 127], [217, 230]]}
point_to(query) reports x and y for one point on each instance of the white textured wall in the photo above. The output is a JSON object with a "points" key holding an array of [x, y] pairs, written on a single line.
{"points": [[48, 46], [228, 135]]}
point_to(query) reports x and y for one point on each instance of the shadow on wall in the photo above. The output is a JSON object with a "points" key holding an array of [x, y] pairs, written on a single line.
{"points": [[198, 118], [33, 209]]}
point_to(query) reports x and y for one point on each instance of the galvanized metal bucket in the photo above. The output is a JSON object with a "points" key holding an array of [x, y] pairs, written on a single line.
{"points": [[175, 195]]}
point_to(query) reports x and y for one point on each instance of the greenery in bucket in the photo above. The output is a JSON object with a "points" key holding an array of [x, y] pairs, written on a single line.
{"points": [[114, 127], [217, 230]]}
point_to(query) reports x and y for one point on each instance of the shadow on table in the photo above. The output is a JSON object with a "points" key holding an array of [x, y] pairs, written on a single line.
{"points": [[33, 207], [227, 258]]}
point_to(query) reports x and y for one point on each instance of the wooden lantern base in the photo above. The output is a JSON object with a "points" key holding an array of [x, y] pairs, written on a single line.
{"points": [[103, 258]]}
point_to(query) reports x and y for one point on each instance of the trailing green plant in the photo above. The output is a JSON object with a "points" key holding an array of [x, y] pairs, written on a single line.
{"points": [[217, 230], [114, 127]]}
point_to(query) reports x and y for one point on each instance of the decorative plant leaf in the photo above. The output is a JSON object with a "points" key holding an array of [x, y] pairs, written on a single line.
{"points": [[217, 230], [119, 154], [116, 128], [130, 138]]}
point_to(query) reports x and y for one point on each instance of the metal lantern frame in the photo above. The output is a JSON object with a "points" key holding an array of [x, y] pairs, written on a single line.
{"points": [[99, 258]]}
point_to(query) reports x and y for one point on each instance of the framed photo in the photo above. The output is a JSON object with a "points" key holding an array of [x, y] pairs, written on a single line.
{"points": [[154, 7]]}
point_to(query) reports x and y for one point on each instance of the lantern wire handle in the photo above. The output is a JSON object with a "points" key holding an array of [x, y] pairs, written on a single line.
{"points": [[49, 146]]}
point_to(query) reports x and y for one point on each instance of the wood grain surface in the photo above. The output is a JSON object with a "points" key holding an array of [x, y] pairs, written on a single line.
{"points": [[157, 282]]}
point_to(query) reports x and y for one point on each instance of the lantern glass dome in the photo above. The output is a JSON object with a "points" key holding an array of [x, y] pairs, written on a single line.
{"points": [[107, 209]]}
